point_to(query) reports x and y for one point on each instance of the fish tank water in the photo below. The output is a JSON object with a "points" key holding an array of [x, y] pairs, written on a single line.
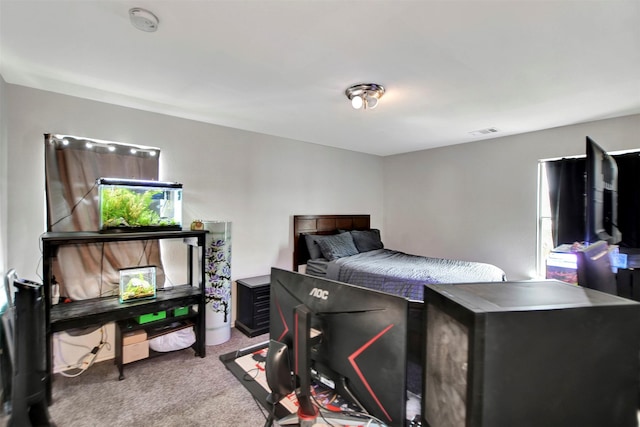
{"points": [[139, 205], [137, 283]]}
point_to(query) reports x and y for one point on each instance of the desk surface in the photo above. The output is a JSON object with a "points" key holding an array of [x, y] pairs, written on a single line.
{"points": [[526, 295]]}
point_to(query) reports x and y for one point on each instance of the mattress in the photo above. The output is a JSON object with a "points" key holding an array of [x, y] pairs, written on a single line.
{"points": [[405, 274]]}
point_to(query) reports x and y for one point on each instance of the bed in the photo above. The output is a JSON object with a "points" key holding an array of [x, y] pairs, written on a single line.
{"points": [[346, 249]]}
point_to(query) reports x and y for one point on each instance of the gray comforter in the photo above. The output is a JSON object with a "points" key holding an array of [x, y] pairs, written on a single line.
{"points": [[405, 275]]}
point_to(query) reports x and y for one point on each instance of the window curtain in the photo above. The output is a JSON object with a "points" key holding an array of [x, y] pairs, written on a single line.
{"points": [[629, 198], [72, 166], [567, 195]]}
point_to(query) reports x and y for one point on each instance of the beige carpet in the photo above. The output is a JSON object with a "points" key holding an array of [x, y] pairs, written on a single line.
{"points": [[177, 389]]}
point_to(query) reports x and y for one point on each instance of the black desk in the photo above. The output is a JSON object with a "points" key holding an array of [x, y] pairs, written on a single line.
{"points": [[531, 353]]}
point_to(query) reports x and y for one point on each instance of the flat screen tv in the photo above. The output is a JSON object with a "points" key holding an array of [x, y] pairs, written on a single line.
{"points": [[358, 343], [594, 268], [601, 209]]}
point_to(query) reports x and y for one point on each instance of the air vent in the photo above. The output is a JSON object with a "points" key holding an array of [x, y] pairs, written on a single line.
{"points": [[486, 131]]}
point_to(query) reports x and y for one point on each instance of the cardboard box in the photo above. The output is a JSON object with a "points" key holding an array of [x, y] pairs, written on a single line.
{"points": [[133, 337], [133, 352]]}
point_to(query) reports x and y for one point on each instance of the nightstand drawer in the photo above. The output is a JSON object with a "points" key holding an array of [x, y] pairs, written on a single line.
{"points": [[262, 321], [261, 294], [261, 309]]}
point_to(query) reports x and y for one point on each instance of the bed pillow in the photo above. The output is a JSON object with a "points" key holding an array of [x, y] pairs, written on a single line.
{"points": [[312, 246], [337, 246], [367, 240]]}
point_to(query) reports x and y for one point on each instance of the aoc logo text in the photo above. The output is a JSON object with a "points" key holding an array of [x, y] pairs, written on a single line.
{"points": [[319, 293]]}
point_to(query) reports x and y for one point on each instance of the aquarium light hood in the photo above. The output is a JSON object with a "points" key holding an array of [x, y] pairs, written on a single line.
{"points": [[137, 182], [77, 142]]}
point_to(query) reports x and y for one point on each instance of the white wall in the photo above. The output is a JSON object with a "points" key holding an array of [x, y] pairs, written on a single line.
{"points": [[477, 201], [472, 201], [256, 181], [3, 176]]}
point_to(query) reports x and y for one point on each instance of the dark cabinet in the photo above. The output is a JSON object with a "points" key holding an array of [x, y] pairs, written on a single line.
{"points": [[253, 305]]}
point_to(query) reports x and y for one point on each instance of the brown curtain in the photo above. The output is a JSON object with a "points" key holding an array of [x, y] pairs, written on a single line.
{"points": [[72, 166]]}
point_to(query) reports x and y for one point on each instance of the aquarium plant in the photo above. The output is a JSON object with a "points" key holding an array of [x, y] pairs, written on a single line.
{"points": [[122, 207], [138, 287]]}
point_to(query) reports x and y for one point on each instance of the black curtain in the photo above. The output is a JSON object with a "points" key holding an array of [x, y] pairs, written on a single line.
{"points": [[629, 198], [567, 196]]}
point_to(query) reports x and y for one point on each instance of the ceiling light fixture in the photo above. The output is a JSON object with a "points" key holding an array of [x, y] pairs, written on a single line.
{"points": [[143, 20], [365, 95]]}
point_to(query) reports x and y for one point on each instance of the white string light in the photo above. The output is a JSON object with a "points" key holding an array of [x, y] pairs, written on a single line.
{"points": [[113, 147]]}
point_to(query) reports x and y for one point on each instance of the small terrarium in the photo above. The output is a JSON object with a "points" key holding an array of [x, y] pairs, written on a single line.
{"points": [[137, 283], [139, 205]]}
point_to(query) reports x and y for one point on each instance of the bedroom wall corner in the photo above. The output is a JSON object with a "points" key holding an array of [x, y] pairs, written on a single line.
{"points": [[478, 201], [256, 181]]}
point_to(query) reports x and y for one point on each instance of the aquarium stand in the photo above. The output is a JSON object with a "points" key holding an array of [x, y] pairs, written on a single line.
{"points": [[142, 229], [97, 311]]}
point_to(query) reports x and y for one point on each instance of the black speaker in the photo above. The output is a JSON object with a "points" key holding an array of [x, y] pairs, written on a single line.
{"points": [[29, 406]]}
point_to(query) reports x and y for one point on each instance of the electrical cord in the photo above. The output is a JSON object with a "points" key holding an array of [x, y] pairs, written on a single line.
{"points": [[101, 268], [74, 207], [355, 414], [144, 253], [86, 360], [249, 376]]}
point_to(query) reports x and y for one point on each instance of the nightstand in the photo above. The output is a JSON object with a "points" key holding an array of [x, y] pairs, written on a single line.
{"points": [[253, 305]]}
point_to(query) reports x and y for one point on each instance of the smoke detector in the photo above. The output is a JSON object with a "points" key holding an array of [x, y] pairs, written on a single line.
{"points": [[143, 20], [486, 131]]}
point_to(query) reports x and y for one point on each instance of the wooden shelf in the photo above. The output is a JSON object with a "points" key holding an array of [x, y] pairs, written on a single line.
{"points": [[168, 328], [83, 237], [108, 309], [96, 311]]}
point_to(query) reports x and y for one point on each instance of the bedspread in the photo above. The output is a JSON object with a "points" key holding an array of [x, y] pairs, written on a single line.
{"points": [[405, 274]]}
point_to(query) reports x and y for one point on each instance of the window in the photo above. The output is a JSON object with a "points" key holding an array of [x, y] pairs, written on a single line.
{"points": [[561, 203]]}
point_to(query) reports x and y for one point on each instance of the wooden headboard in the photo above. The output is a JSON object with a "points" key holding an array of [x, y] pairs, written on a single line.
{"points": [[322, 224]]}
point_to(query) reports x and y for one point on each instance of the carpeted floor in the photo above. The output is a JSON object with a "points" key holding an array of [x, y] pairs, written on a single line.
{"points": [[177, 389]]}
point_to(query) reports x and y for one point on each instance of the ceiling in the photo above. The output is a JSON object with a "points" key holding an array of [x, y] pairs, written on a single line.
{"points": [[281, 67]]}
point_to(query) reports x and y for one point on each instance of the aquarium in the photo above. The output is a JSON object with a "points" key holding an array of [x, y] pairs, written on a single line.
{"points": [[137, 283], [137, 205]]}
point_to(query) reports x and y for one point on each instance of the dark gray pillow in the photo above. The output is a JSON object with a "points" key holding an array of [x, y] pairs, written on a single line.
{"points": [[337, 246], [367, 240], [312, 246]]}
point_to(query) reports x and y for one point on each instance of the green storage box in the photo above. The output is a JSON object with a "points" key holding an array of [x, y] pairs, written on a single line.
{"points": [[182, 311], [151, 317]]}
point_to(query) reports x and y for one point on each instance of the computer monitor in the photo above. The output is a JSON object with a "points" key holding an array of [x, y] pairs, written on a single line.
{"points": [[594, 268], [601, 214], [358, 343]]}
